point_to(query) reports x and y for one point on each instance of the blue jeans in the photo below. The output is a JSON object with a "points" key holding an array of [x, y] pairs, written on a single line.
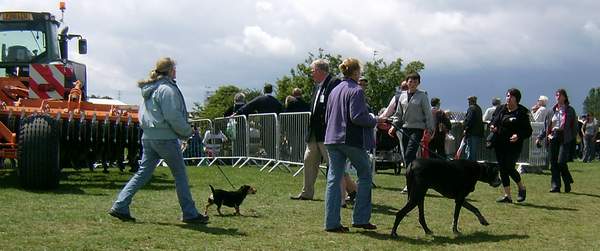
{"points": [[472, 147], [153, 151], [361, 214]]}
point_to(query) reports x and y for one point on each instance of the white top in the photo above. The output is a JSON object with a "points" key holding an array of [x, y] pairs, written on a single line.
{"points": [[541, 114], [487, 115], [213, 141]]}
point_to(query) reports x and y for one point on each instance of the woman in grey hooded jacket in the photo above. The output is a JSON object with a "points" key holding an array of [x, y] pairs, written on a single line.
{"points": [[163, 119]]}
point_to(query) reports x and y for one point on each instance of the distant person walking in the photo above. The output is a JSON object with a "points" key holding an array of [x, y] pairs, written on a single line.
{"points": [[473, 128], [163, 118], [589, 131], [560, 133], [265, 103]]}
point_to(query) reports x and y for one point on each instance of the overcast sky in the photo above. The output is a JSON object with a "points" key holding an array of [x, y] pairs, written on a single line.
{"points": [[479, 48]]}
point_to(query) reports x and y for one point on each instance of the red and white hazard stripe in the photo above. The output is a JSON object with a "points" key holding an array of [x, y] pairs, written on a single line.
{"points": [[47, 81]]}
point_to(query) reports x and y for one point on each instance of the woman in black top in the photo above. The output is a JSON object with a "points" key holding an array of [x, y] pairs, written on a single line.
{"points": [[510, 125]]}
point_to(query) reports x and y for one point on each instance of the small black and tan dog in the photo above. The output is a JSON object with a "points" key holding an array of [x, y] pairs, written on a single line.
{"points": [[453, 179], [228, 198]]}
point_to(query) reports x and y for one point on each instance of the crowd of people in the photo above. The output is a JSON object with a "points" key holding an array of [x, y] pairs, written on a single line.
{"points": [[340, 134]]}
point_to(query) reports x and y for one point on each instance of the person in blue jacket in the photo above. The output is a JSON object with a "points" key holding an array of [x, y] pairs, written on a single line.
{"points": [[163, 118]]}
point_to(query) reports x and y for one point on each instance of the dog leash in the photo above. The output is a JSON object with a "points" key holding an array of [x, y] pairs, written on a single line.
{"points": [[219, 167], [423, 146]]}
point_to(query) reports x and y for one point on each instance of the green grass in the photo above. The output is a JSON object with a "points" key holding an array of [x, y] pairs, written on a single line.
{"points": [[74, 216]]}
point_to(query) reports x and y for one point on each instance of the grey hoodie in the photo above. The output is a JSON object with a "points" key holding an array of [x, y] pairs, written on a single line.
{"points": [[163, 114], [413, 113]]}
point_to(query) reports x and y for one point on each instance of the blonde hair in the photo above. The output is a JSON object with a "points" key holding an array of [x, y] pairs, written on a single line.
{"points": [[349, 66], [163, 68]]}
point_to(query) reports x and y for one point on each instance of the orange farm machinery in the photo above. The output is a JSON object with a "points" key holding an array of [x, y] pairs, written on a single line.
{"points": [[46, 122]]}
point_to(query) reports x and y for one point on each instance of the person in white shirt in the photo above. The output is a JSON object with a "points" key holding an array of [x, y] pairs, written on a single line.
{"points": [[489, 112], [213, 140], [539, 110], [589, 131]]}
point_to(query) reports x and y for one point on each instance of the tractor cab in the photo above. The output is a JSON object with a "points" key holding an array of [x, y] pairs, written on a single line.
{"points": [[32, 40]]}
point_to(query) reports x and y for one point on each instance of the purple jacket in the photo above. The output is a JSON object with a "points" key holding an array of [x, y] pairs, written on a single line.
{"points": [[348, 119]]}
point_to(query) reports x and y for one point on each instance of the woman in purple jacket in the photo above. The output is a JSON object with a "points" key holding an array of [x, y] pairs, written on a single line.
{"points": [[349, 135]]}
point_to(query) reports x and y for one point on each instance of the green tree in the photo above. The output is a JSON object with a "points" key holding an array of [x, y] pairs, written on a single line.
{"points": [[592, 102], [301, 76], [216, 104], [384, 78]]}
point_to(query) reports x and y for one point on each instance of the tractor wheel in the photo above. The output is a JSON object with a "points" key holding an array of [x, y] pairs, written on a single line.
{"points": [[39, 148]]}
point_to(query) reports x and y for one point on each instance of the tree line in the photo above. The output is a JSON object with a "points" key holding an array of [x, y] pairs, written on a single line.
{"points": [[383, 77]]}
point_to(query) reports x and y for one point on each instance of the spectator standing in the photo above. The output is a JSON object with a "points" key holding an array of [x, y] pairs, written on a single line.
{"points": [[511, 127], [539, 110], [560, 133], [296, 103], [489, 112], [265, 103], [473, 131], [589, 131], [315, 149], [349, 135], [239, 100], [163, 119], [442, 126]]}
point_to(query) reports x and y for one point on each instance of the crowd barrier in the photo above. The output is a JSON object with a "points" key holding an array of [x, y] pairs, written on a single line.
{"points": [[278, 141]]}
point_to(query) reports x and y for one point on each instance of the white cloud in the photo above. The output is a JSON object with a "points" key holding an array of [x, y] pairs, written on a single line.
{"points": [[591, 29], [262, 6], [256, 41], [214, 40], [349, 44]]}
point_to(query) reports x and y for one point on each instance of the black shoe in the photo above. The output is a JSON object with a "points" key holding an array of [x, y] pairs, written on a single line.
{"points": [[200, 219], [521, 195], [504, 199], [299, 197], [120, 216], [367, 226], [555, 190], [340, 229], [567, 188]]}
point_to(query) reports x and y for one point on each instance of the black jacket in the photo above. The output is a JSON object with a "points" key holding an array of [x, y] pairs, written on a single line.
{"points": [[318, 124], [261, 104], [297, 105], [474, 121], [232, 109], [509, 123]]}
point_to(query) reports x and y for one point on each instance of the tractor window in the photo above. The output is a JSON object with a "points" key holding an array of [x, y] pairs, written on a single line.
{"points": [[21, 46]]}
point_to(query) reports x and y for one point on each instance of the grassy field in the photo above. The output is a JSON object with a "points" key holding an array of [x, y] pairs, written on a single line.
{"points": [[75, 216]]}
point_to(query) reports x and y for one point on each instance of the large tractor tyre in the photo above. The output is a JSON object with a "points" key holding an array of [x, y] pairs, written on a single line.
{"points": [[39, 149]]}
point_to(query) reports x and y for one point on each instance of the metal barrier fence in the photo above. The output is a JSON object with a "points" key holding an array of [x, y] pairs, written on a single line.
{"points": [[263, 139], [194, 153], [279, 140], [234, 147], [293, 130], [530, 154]]}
